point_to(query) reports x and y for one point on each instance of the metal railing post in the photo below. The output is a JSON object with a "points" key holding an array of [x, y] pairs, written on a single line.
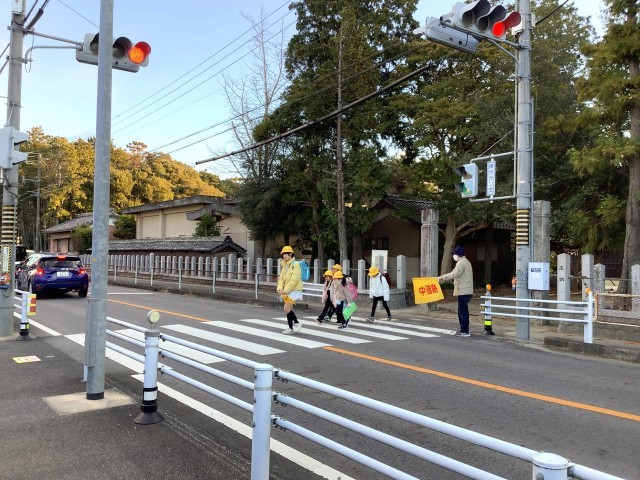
{"points": [[213, 283], [550, 466], [262, 399], [149, 405], [588, 326], [180, 275], [257, 286]]}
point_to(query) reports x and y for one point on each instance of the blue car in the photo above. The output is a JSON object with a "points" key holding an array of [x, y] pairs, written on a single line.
{"points": [[54, 273]]}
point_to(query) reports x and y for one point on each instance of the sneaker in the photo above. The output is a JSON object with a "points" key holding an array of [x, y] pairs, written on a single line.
{"points": [[288, 331], [319, 320], [297, 327], [462, 334], [389, 319], [342, 326], [370, 319], [327, 318]]}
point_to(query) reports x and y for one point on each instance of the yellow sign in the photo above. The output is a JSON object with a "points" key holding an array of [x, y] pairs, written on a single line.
{"points": [[29, 359], [426, 290]]}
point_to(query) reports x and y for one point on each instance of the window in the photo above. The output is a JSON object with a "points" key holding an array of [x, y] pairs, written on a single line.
{"points": [[377, 244]]}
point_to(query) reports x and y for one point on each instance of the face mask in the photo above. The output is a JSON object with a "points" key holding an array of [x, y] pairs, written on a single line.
{"points": [[456, 258]]}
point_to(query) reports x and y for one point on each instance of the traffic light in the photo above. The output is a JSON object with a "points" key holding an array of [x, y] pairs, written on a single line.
{"points": [[468, 185], [449, 37], [481, 17], [125, 56], [9, 139]]}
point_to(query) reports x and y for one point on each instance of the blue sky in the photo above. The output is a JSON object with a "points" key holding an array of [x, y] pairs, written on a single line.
{"points": [[178, 94]]}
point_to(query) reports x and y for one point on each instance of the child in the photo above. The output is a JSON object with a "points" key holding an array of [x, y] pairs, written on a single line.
{"points": [[290, 288], [327, 311], [378, 291], [341, 297]]}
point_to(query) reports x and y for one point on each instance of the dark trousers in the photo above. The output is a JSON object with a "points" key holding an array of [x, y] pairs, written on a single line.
{"points": [[384, 304], [339, 314], [327, 310], [463, 312]]}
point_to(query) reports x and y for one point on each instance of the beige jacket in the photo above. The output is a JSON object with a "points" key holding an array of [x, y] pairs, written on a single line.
{"points": [[462, 277]]}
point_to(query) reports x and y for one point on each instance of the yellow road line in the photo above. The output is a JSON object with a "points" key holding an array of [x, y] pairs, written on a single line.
{"points": [[513, 391], [175, 314]]}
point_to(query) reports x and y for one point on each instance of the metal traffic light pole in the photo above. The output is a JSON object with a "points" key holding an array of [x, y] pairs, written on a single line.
{"points": [[10, 190], [96, 320]]}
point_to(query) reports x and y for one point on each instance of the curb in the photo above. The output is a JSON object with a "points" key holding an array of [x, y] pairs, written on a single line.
{"points": [[595, 349]]}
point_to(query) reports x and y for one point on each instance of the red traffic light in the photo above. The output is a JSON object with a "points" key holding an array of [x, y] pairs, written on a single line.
{"points": [[139, 52], [500, 28]]}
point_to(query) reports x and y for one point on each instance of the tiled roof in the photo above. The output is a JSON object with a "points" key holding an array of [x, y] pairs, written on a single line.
{"points": [[193, 244]]}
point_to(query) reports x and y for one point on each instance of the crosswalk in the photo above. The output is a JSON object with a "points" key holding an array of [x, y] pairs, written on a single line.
{"points": [[218, 334]]}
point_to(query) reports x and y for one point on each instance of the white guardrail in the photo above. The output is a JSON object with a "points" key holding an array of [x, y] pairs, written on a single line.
{"points": [[544, 465], [512, 307]]}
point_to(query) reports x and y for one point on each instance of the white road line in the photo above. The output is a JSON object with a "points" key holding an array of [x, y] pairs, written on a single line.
{"points": [[280, 337], [224, 340], [278, 447], [444, 331], [130, 293], [118, 357], [359, 331], [385, 328], [175, 348], [323, 333], [53, 333]]}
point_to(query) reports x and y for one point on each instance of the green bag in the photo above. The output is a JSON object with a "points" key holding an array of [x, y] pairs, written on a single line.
{"points": [[348, 310]]}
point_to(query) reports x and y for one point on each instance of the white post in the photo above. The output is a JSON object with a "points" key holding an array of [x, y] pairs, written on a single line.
{"points": [[549, 466], [149, 405], [588, 326], [260, 446]]}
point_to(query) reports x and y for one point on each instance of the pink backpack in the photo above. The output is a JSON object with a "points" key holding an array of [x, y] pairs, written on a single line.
{"points": [[353, 290]]}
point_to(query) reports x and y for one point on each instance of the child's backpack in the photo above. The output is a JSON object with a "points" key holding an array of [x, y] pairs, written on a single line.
{"points": [[353, 290], [305, 271], [387, 277]]}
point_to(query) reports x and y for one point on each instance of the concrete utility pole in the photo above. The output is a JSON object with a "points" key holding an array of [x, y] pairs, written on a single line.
{"points": [[10, 190], [96, 332], [524, 187]]}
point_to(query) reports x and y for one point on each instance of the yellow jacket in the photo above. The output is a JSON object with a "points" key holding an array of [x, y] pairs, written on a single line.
{"points": [[290, 278]]}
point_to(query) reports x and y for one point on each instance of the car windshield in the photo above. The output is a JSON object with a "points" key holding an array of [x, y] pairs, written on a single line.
{"points": [[60, 263]]}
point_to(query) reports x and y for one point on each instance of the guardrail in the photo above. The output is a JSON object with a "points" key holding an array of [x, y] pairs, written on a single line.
{"points": [[544, 465], [27, 308], [511, 309]]}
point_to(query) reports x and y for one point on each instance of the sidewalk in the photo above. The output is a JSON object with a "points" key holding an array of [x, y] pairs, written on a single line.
{"points": [[540, 336]]}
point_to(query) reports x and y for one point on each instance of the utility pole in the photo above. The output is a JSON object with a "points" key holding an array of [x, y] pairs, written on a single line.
{"points": [[524, 186], [10, 190], [36, 244], [96, 320], [342, 218]]}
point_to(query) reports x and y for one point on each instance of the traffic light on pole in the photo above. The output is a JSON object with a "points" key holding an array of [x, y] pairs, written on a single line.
{"points": [[468, 185], [10, 138], [491, 22], [125, 56]]}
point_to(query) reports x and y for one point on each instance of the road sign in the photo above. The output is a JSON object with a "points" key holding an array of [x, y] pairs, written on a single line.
{"points": [[491, 178]]}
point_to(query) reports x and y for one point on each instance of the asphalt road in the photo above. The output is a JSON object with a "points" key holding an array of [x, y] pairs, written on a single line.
{"points": [[586, 409]]}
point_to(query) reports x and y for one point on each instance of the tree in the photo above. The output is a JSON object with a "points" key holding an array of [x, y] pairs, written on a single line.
{"points": [[207, 226], [125, 227], [81, 238], [610, 92]]}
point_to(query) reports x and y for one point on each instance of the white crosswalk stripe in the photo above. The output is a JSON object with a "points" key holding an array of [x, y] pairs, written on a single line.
{"points": [[118, 357], [403, 331], [280, 337], [358, 331], [341, 337], [223, 339]]}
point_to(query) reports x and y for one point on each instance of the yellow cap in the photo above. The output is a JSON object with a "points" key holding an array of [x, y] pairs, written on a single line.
{"points": [[338, 275], [286, 249], [337, 266], [373, 271], [328, 273]]}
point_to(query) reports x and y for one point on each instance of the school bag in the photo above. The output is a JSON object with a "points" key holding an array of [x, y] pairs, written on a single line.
{"points": [[353, 289], [305, 271]]}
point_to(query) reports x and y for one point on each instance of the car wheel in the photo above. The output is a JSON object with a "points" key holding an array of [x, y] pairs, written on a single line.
{"points": [[83, 292]]}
